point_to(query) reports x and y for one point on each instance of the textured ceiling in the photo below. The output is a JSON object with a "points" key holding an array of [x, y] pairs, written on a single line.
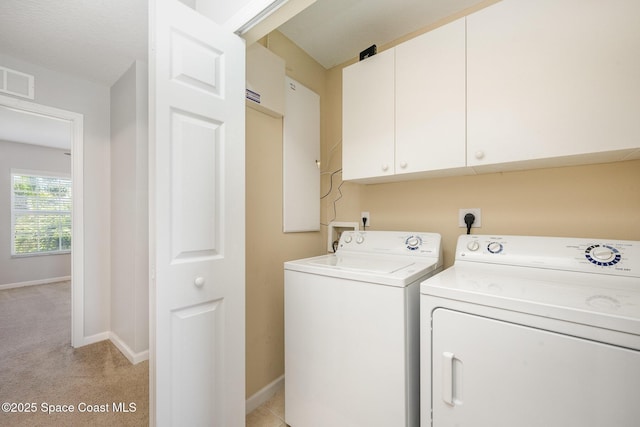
{"points": [[335, 31], [95, 39], [99, 39]]}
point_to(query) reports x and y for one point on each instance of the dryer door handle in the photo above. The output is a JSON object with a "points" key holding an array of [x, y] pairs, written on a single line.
{"points": [[451, 379]]}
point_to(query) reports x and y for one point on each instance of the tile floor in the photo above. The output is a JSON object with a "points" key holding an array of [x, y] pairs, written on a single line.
{"points": [[270, 413]]}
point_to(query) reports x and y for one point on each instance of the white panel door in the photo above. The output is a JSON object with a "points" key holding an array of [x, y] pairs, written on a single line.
{"points": [[489, 373], [197, 220]]}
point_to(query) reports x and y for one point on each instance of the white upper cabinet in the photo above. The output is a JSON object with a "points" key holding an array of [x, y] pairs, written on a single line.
{"points": [[520, 84], [368, 128], [430, 101], [404, 109], [553, 82]]}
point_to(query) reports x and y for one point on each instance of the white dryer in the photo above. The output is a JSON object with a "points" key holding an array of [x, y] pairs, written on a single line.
{"points": [[533, 331], [352, 331]]}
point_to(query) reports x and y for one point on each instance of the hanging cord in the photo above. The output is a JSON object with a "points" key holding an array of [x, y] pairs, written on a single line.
{"points": [[331, 183], [328, 162], [329, 192]]}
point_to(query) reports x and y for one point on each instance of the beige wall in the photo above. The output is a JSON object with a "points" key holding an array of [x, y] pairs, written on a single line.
{"points": [[267, 246], [600, 201], [581, 201]]}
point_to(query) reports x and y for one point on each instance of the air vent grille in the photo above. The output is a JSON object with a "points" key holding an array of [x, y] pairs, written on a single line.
{"points": [[16, 83]]}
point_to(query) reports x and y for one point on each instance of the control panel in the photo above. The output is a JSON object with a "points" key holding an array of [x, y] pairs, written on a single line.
{"points": [[391, 242], [618, 257]]}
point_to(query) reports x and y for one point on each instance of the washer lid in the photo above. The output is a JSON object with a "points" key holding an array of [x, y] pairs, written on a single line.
{"points": [[381, 269], [363, 264], [610, 302]]}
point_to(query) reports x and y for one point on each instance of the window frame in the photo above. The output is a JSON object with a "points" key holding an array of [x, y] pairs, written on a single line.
{"points": [[15, 212]]}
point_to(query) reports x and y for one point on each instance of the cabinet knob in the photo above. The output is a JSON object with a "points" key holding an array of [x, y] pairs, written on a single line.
{"points": [[385, 167], [480, 155], [199, 282], [403, 164]]}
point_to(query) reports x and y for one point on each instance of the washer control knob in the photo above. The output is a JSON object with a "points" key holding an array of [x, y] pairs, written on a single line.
{"points": [[360, 239], [495, 247], [602, 253], [473, 245], [348, 238], [413, 242]]}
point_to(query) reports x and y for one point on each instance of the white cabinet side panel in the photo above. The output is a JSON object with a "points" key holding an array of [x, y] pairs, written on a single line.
{"points": [[300, 159], [345, 353]]}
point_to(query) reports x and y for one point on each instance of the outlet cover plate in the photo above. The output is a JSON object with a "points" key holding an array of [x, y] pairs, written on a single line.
{"points": [[477, 212]]}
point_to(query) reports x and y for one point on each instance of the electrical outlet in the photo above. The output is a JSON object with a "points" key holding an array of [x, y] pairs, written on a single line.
{"points": [[365, 215], [477, 212]]}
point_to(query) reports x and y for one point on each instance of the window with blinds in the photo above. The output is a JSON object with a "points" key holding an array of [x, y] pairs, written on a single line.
{"points": [[40, 214]]}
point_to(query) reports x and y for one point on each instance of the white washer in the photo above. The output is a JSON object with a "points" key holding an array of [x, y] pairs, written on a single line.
{"points": [[533, 331], [352, 330]]}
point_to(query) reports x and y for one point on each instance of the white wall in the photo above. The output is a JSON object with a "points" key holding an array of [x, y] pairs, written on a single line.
{"points": [[129, 213], [16, 271], [92, 100]]}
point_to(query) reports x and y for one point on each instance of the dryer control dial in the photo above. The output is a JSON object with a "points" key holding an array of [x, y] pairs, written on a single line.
{"points": [[495, 247], [603, 255], [360, 239]]}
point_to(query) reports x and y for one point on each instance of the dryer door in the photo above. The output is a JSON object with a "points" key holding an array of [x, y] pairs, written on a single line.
{"points": [[493, 373]]}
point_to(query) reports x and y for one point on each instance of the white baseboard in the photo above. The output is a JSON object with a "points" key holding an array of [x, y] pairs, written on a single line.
{"points": [[92, 339], [264, 394], [35, 282], [133, 357]]}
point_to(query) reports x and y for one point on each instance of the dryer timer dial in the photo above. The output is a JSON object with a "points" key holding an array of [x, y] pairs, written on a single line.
{"points": [[603, 255], [495, 247]]}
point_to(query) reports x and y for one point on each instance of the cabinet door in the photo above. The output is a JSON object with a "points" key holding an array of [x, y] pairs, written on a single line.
{"points": [[550, 78], [492, 373], [368, 117], [430, 100]]}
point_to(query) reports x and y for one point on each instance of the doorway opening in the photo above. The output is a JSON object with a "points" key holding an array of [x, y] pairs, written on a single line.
{"points": [[75, 121]]}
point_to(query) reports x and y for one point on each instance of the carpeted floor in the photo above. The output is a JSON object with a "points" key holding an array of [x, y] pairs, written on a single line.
{"points": [[40, 371]]}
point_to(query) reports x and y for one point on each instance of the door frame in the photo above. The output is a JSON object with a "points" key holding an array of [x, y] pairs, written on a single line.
{"points": [[77, 213]]}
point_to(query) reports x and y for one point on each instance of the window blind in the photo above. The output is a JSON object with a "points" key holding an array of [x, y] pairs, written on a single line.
{"points": [[41, 214]]}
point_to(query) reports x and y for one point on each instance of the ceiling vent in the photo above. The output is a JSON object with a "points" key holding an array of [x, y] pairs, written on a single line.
{"points": [[16, 83]]}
